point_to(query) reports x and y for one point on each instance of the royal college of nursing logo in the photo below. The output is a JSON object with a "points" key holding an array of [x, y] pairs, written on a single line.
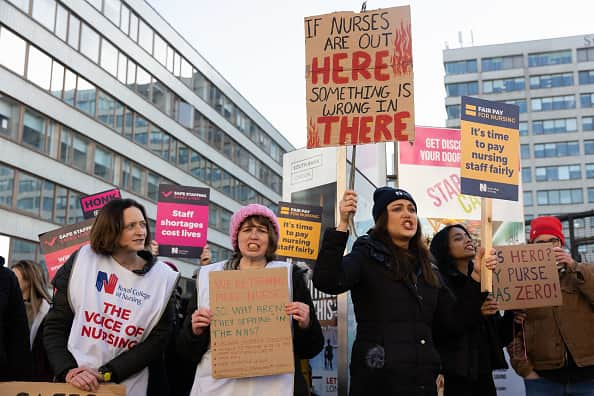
{"points": [[108, 284]]}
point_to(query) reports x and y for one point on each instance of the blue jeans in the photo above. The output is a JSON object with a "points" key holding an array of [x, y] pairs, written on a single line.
{"points": [[544, 387]]}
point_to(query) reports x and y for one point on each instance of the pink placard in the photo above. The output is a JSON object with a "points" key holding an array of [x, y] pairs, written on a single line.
{"points": [[432, 146]]}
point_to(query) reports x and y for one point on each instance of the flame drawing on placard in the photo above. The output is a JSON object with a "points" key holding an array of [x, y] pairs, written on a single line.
{"points": [[313, 139], [402, 57]]}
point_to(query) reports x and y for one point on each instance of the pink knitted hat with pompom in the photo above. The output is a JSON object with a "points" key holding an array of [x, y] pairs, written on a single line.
{"points": [[247, 211]]}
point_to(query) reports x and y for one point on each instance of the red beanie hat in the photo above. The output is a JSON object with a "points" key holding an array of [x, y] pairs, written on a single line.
{"points": [[546, 225]]}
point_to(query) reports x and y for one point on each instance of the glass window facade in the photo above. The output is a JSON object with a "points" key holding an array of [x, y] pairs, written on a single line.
{"points": [[458, 89], [588, 146], [558, 149], [553, 103], [549, 58], [551, 80], [504, 85], [523, 127], [587, 100], [461, 67], [546, 127], [560, 197], [586, 76], [585, 54], [526, 175], [502, 63], [12, 53], [524, 151], [557, 173], [528, 198], [587, 123]]}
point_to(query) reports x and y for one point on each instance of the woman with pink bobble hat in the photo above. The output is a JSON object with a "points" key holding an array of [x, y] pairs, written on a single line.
{"points": [[254, 233]]}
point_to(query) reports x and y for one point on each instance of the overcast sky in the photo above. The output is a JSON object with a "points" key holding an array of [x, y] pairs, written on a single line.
{"points": [[258, 45]]}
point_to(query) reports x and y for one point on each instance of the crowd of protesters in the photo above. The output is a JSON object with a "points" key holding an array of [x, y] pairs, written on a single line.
{"points": [[419, 309]]}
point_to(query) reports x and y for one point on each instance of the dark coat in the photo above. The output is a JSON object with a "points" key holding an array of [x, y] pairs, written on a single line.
{"points": [[15, 352], [461, 355], [393, 353], [42, 370], [149, 352], [307, 343]]}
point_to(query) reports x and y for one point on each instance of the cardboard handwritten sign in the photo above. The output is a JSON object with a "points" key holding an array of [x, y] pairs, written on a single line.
{"points": [[300, 227], [57, 245], [490, 160], [182, 220], [526, 277], [250, 333], [54, 389], [91, 204], [359, 77]]}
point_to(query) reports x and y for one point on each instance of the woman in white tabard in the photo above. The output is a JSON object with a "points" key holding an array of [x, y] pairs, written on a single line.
{"points": [[254, 232], [111, 315]]}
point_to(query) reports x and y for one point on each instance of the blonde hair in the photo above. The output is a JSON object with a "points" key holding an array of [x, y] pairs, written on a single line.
{"points": [[39, 290]]}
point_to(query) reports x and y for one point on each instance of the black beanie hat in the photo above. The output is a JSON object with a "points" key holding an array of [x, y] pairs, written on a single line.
{"points": [[384, 195]]}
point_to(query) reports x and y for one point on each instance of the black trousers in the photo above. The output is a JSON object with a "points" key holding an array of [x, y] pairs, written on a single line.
{"points": [[462, 386]]}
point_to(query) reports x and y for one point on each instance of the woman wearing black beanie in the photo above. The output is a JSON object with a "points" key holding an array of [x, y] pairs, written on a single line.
{"points": [[397, 294]]}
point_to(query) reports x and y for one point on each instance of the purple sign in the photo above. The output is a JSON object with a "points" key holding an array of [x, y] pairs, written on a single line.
{"points": [[182, 220]]}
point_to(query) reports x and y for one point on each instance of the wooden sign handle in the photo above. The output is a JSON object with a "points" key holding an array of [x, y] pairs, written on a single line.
{"points": [[486, 242]]}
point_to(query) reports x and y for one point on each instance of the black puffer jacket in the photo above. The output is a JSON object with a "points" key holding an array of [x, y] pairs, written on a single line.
{"points": [[461, 354], [149, 352], [393, 353], [15, 353]]}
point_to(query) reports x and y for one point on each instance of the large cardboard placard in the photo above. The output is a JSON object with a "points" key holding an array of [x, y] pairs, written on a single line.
{"points": [[92, 203], [430, 170], [54, 389], [490, 159], [250, 333], [300, 227], [58, 245], [359, 77], [182, 220], [526, 277]]}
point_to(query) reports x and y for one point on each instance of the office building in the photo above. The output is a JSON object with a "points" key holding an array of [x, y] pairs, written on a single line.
{"points": [[97, 94], [552, 82]]}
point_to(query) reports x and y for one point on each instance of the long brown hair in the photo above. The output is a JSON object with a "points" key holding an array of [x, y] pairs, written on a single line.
{"points": [[404, 262], [39, 289], [272, 240], [109, 224]]}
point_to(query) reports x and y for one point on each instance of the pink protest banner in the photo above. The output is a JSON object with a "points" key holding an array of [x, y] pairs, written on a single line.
{"points": [[182, 220], [92, 203], [526, 277], [58, 245]]}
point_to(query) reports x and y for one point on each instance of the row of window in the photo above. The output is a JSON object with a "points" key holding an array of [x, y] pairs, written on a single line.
{"points": [[52, 202], [517, 61], [34, 130], [148, 39], [550, 103], [570, 196], [518, 83], [62, 83], [71, 29], [557, 173], [77, 92], [557, 149]]}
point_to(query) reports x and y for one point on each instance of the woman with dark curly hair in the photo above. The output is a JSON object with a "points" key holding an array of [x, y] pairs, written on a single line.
{"points": [[468, 359]]}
